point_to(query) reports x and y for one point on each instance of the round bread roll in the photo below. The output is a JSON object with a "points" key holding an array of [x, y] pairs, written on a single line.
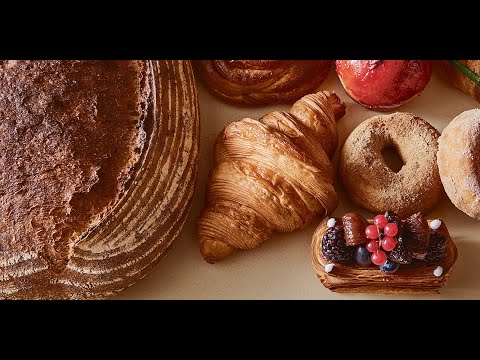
{"points": [[99, 161], [459, 161]]}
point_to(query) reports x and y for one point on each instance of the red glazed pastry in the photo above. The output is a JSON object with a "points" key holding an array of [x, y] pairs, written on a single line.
{"points": [[383, 85]]}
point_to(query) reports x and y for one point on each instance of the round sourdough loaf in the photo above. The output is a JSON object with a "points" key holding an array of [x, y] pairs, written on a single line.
{"points": [[99, 161]]}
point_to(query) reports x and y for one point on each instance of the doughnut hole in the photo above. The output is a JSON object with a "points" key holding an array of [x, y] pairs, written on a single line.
{"points": [[392, 158]]}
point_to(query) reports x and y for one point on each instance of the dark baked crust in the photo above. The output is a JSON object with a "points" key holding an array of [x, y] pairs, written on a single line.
{"points": [[137, 231], [70, 135], [262, 82]]}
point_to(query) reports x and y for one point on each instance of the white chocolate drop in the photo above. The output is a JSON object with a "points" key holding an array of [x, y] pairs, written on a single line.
{"points": [[438, 271], [329, 267], [331, 222], [435, 224]]}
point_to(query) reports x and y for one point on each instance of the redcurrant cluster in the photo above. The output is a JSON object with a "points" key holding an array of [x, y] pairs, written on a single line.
{"points": [[382, 238]]}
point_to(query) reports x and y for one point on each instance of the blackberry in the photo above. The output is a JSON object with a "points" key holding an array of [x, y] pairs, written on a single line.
{"points": [[437, 248], [417, 231], [334, 247], [392, 217], [402, 253]]}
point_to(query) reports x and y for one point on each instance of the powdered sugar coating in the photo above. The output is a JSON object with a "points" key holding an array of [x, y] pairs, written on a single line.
{"points": [[372, 184], [458, 162]]}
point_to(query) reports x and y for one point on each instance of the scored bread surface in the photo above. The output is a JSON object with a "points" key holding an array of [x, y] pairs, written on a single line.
{"points": [[92, 153]]}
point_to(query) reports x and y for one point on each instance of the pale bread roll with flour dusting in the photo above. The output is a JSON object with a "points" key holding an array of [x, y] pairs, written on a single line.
{"points": [[458, 162]]}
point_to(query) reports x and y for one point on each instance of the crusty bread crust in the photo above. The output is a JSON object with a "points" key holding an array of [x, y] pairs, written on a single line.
{"points": [[99, 162], [70, 134], [458, 79]]}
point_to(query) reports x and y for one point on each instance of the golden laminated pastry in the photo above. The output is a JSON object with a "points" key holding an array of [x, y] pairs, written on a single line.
{"points": [[262, 82], [272, 174], [415, 278]]}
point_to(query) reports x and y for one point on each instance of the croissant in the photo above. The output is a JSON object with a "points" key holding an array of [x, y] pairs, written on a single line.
{"points": [[273, 174], [262, 82]]}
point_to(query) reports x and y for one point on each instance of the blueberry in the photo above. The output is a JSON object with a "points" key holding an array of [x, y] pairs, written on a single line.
{"points": [[362, 256], [389, 267]]}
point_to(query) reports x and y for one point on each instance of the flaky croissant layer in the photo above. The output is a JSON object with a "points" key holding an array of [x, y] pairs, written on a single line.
{"points": [[272, 174], [262, 82]]}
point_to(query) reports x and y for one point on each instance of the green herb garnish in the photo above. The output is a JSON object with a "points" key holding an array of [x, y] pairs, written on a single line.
{"points": [[466, 71]]}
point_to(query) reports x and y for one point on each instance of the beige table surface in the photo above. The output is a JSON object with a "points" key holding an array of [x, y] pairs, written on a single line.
{"points": [[281, 268]]}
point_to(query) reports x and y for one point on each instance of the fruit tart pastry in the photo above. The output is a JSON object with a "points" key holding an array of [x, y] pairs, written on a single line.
{"points": [[383, 255]]}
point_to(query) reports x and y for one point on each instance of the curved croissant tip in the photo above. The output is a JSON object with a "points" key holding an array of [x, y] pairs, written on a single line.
{"points": [[213, 250], [337, 105]]}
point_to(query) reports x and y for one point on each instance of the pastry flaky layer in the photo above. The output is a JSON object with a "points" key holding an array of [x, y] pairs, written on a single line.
{"points": [[272, 174], [408, 279], [261, 82], [71, 133]]}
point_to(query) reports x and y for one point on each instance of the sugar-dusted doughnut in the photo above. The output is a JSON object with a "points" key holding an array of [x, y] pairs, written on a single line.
{"points": [[372, 184]]}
